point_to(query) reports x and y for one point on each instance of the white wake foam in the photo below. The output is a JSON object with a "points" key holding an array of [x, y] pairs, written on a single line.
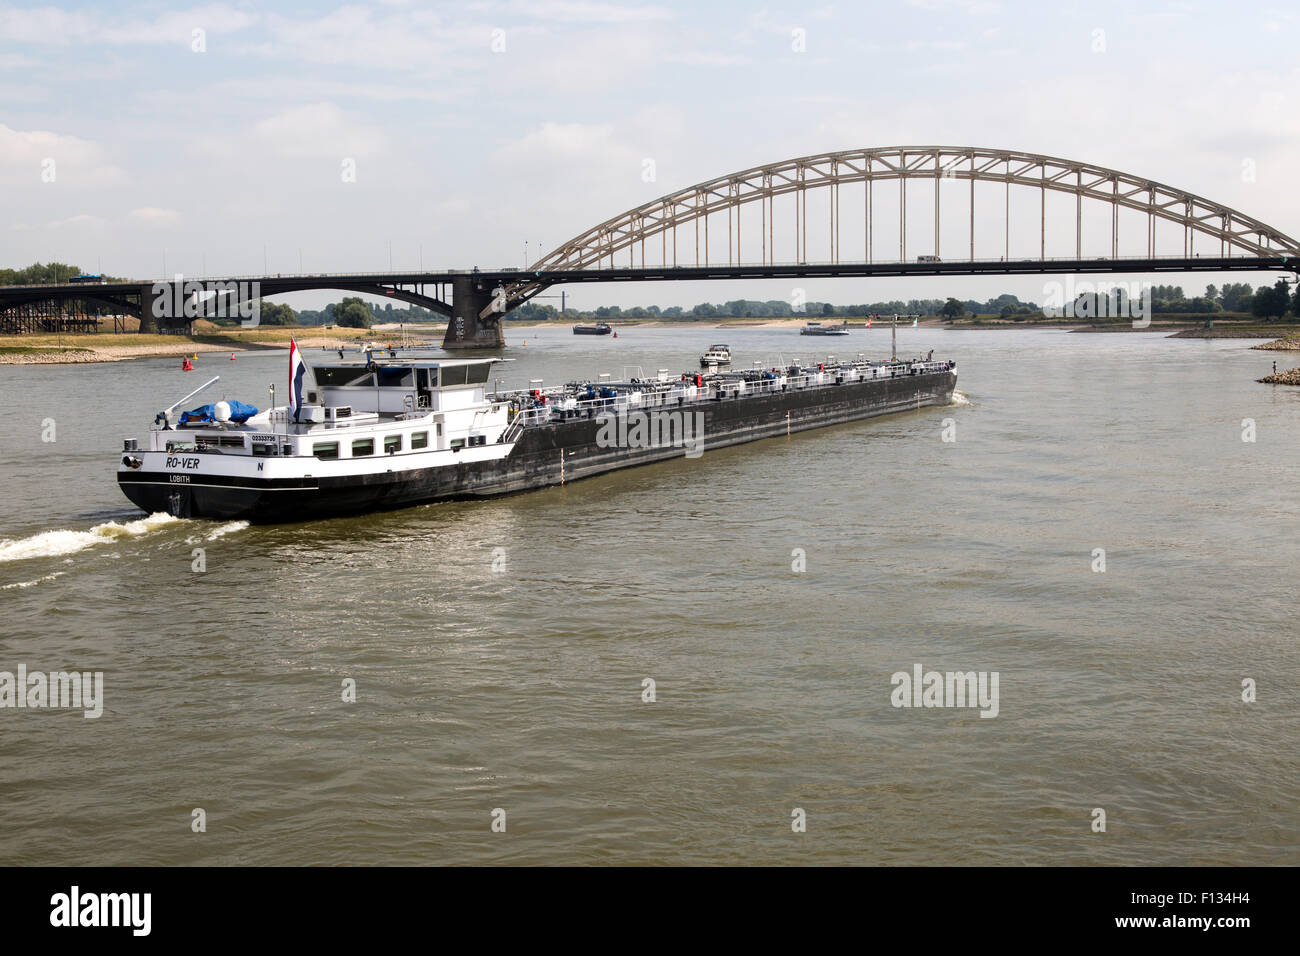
{"points": [[960, 398], [228, 528], [220, 531], [50, 544], [28, 584]]}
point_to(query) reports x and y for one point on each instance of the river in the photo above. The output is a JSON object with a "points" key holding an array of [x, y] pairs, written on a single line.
{"points": [[499, 649]]}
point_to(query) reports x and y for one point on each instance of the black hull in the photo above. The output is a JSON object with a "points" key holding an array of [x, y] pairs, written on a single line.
{"points": [[548, 455]]}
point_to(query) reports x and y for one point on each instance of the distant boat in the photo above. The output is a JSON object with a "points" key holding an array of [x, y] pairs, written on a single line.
{"points": [[816, 328], [716, 355], [600, 328]]}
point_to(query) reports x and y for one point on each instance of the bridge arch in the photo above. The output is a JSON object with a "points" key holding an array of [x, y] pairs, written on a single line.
{"points": [[629, 233]]}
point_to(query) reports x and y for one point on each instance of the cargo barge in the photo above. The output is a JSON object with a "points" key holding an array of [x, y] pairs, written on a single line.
{"points": [[389, 430]]}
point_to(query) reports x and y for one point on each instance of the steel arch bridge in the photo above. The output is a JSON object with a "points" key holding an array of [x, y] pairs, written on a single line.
{"points": [[633, 231], [680, 236]]}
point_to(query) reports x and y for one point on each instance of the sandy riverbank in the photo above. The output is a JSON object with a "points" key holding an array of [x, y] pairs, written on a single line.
{"points": [[107, 347], [120, 353]]}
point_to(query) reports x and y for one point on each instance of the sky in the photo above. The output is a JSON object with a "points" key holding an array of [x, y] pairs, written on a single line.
{"points": [[147, 139]]}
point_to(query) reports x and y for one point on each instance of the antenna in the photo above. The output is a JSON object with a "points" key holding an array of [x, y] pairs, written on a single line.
{"points": [[192, 394]]}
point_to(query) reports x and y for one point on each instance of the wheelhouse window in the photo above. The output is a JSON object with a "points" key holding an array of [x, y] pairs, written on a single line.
{"points": [[452, 375], [396, 377], [419, 440], [327, 449], [362, 447], [392, 444], [342, 375]]}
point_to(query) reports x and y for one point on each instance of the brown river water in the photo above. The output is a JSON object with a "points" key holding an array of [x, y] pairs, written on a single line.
{"points": [[499, 647]]}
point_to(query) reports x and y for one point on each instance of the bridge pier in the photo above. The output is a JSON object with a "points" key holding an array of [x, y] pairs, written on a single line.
{"points": [[470, 295], [148, 314], [162, 309]]}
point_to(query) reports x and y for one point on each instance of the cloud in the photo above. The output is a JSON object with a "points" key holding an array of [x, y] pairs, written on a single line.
{"points": [[80, 221], [36, 155], [565, 175], [709, 58], [57, 27], [973, 7], [578, 12], [567, 146], [313, 89], [390, 39], [320, 130], [155, 216]]}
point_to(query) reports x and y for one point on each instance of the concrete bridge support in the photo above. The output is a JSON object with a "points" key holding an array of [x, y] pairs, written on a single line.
{"points": [[150, 307], [470, 295]]}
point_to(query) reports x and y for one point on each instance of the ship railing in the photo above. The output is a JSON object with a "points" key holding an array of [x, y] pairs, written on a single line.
{"points": [[622, 402], [511, 431], [534, 415]]}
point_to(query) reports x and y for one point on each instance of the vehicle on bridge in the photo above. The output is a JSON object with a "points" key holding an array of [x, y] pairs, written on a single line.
{"points": [[86, 278]]}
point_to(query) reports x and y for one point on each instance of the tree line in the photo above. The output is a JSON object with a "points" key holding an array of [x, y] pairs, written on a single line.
{"points": [[44, 273], [1267, 302]]}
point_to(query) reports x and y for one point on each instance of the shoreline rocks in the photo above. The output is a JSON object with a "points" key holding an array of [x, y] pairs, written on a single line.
{"points": [[1223, 333], [1289, 343], [1290, 376]]}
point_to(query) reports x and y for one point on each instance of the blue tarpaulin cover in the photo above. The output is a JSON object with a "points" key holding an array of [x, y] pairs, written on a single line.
{"points": [[239, 412]]}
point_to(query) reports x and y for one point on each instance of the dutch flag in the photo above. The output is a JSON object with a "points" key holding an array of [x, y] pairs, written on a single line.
{"points": [[297, 371]]}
